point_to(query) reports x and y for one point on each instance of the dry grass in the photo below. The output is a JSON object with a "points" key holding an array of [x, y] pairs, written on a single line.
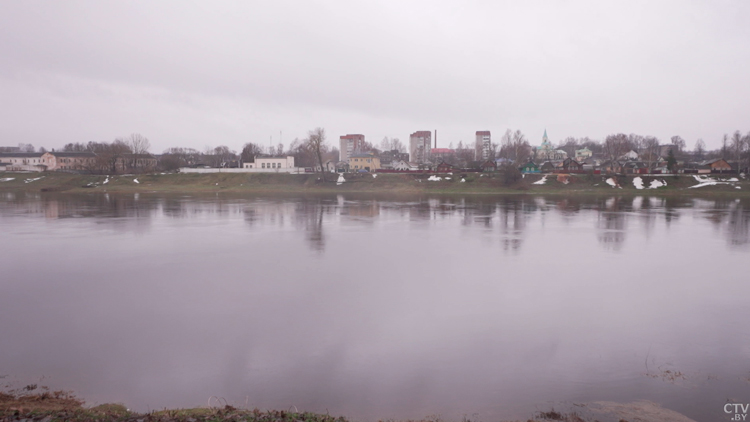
{"points": [[475, 183], [43, 401]]}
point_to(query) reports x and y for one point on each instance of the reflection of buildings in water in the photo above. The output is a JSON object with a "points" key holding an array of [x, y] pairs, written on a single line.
{"points": [[647, 214], [738, 226], [128, 214], [308, 216], [444, 208], [305, 215], [731, 217], [269, 213], [671, 208], [479, 213], [52, 209], [611, 224], [714, 211], [420, 211], [368, 209], [568, 208], [512, 221], [119, 212], [637, 203]]}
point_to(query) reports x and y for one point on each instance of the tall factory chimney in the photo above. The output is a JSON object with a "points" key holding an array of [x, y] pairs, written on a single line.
{"points": [[435, 138]]}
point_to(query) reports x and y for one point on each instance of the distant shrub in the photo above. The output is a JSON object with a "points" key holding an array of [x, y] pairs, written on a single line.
{"points": [[511, 174]]}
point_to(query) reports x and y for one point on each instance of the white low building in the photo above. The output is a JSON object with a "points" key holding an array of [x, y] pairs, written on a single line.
{"points": [[403, 165], [271, 163]]}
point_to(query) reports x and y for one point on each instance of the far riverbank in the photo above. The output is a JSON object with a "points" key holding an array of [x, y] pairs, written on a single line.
{"points": [[469, 183]]}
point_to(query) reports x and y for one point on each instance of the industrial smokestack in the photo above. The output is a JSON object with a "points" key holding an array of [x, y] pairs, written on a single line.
{"points": [[435, 138]]}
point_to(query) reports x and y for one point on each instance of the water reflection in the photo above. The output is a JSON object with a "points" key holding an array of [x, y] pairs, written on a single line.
{"points": [[611, 222], [474, 304], [508, 217]]}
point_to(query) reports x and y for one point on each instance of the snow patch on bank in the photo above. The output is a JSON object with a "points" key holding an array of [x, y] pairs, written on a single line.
{"points": [[7, 179], [707, 181], [33, 180], [541, 181], [341, 179], [657, 184], [434, 178], [638, 183], [374, 176], [612, 183]]}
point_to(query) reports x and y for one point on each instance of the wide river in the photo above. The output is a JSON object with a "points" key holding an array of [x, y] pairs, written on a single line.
{"points": [[482, 307]]}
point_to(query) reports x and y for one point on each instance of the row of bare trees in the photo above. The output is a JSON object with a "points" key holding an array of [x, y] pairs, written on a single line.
{"points": [[313, 151], [123, 154]]}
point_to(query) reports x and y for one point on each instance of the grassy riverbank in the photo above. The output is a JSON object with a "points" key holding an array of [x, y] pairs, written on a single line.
{"points": [[47, 406], [471, 183]]}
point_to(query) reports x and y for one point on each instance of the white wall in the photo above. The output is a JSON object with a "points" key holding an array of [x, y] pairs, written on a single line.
{"points": [[242, 170]]}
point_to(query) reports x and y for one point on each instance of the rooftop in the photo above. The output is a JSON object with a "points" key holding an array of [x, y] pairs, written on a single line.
{"points": [[21, 154]]}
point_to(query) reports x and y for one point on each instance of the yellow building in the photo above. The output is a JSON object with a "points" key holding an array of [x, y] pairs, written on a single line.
{"points": [[367, 162]]}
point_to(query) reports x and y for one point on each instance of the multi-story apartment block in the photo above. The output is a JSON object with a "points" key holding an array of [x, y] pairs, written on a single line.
{"points": [[420, 145], [483, 145], [350, 145]]}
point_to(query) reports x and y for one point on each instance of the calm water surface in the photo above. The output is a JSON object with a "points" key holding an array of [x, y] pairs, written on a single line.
{"points": [[378, 308]]}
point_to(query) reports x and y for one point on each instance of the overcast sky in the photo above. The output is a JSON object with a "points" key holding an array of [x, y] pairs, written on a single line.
{"points": [[197, 74]]}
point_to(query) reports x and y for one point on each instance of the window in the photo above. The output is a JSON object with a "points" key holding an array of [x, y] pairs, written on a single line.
{"points": [[263, 165]]}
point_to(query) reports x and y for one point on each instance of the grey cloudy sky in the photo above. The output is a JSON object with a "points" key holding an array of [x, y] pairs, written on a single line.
{"points": [[197, 74]]}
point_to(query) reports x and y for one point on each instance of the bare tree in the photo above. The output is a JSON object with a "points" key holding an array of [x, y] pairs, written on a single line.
{"points": [[569, 145], [465, 154], [335, 154], [390, 144], [506, 140], [700, 149], [398, 145], [110, 158], [650, 150], [514, 146], [636, 142], [174, 158], [222, 156], [521, 147], [249, 151], [385, 144], [316, 140], [614, 147], [593, 145], [138, 143], [494, 150], [75, 147], [738, 144], [679, 143]]}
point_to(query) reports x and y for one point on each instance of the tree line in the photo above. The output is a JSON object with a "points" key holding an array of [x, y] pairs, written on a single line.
{"points": [[314, 150]]}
